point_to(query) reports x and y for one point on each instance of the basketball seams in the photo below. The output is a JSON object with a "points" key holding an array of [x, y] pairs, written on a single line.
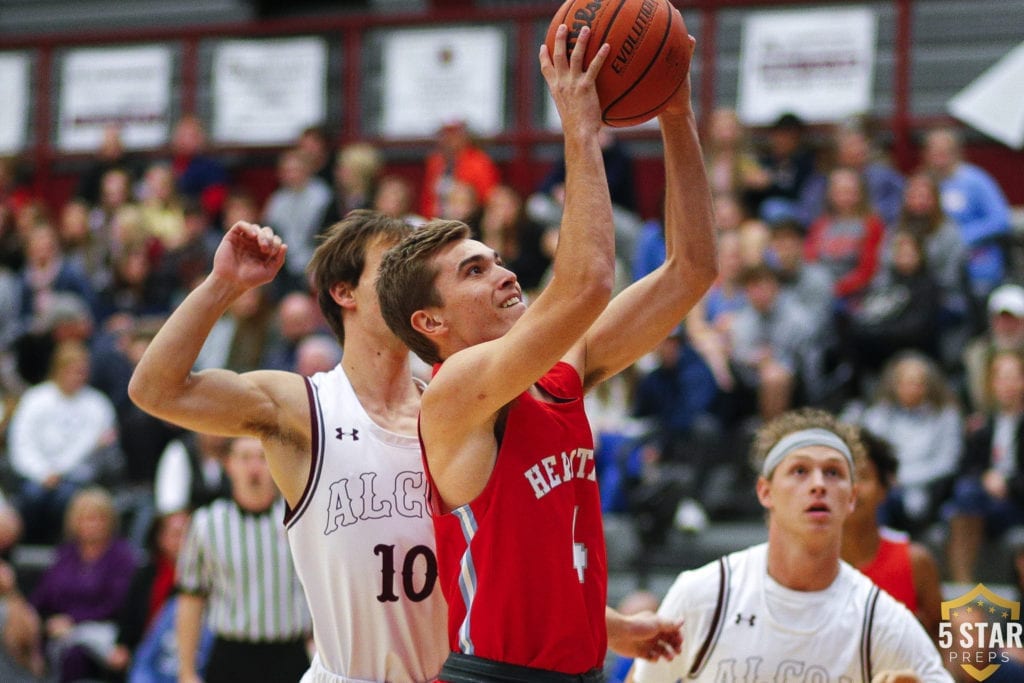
{"points": [[641, 71], [657, 53]]}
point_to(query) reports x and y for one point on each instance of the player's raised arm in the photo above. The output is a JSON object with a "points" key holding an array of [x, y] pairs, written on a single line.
{"points": [[645, 313], [214, 401]]}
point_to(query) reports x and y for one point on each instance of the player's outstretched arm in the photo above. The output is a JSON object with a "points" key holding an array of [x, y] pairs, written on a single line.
{"points": [[215, 401], [647, 311], [477, 381]]}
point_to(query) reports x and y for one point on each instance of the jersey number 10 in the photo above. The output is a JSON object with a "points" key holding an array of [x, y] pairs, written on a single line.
{"points": [[387, 571]]}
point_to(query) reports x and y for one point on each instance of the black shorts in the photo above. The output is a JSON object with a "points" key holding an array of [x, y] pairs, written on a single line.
{"points": [[234, 660], [460, 668]]}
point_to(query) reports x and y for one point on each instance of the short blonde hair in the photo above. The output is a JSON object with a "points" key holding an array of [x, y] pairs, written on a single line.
{"points": [[797, 420], [95, 498]]}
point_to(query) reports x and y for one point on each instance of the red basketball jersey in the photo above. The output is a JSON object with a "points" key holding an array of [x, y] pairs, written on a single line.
{"points": [[891, 569], [523, 565]]}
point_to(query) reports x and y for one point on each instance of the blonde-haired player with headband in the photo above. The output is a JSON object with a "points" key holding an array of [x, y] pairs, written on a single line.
{"points": [[790, 609]]}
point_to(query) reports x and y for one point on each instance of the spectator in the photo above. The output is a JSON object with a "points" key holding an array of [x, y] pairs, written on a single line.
{"points": [[155, 660], [199, 176], [900, 310], [142, 436], [182, 266], [1005, 331], [810, 284], [296, 211], [463, 204], [355, 180], [21, 645], [297, 317], [80, 594], [733, 167], [854, 149], [163, 213], [457, 157], [679, 395], [236, 564], [115, 199], [505, 227], [618, 169], [988, 497], [151, 586], [239, 205], [916, 410], [906, 570], [62, 437], [394, 198], [86, 250], [67, 318], [190, 473], [134, 289], [46, 272], [238, 340], [847, 237], [789, 161], [975, 202], [316, 353], [316, 144], [109, 155], [768, 340], [709, 324], [922, 214]]}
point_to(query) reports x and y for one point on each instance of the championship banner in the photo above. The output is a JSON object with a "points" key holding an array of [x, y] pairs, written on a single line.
{"points": [[266, 92], [14, 79], [431, 76], [978, 630], [816, 63], [126, 86]]}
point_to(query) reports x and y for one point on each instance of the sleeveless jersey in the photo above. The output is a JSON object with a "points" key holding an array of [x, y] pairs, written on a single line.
{"points": [[363, 545], [741, 626], [890, 568], [523, 565]]}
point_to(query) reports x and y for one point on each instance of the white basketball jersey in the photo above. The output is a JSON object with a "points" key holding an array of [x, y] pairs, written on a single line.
{"points": [[363, 544], [741, 626]]}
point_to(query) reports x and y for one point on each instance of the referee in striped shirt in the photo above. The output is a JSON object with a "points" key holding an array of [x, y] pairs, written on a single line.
{"points": [[236, 563]]}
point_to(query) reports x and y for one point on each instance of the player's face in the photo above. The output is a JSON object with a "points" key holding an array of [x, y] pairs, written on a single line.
{"points": [[810, 492], [481, 298]]}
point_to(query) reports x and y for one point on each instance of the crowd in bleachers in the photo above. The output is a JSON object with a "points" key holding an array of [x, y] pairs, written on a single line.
{"points": [[842, 284]]}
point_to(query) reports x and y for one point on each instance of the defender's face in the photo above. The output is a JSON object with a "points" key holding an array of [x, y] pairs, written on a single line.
{"points": [[481, 298], [810, 492]]}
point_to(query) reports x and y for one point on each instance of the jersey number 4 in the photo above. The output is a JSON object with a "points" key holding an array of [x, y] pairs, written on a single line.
{"points": [[387, 572]]}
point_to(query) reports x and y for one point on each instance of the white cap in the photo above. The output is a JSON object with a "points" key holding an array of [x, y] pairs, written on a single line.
{"points": [[1007, 299]]}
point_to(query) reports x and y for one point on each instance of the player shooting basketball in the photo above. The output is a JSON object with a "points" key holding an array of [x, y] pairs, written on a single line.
{"points": [[508, 447]]}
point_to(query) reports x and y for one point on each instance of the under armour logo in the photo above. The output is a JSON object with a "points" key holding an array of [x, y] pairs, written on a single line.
{"points": [[750, 620], [340, 434]]}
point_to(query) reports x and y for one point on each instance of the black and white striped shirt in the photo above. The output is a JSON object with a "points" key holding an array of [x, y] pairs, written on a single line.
{"points": [[241, 563]]}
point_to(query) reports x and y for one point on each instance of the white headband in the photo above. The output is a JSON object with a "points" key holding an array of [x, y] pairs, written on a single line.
{"points": [[816, 436]]}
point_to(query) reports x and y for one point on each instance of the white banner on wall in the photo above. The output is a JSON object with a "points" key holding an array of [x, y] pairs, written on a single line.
{"points": [[816, 63], [265, 92], [437, 75], [128, 86], [14, 77]]}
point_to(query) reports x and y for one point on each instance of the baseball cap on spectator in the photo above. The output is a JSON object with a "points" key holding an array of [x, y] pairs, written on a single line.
{"points": [[1007, 299]]}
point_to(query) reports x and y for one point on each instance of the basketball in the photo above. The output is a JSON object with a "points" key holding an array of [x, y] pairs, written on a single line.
{"points": [[648, 58]]}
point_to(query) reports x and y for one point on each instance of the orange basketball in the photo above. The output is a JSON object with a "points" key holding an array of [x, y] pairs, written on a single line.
{"points": [[648, 59]]}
